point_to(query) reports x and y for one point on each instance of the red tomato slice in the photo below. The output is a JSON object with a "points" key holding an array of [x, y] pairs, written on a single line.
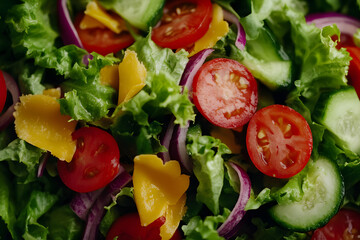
{"points": [[225, 93], [3, 91], [354, 68], [183, 22], [102, 41], [279, 141], [344, 225], [128, 227], [95, 162]]}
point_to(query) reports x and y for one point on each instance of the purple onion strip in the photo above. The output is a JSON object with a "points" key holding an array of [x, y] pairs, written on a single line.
{"points": [[165, 141], [82, 202], [97, 210], [7, 117], [42, 164], [229, 228], [346, 24], [241, 35], [68, 32]]}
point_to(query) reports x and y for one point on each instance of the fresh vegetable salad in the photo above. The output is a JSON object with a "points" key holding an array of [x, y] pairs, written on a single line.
{"points": [[179, 119]]}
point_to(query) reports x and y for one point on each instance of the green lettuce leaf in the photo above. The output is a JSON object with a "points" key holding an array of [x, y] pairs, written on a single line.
{"points": [[207, 154], [62, 223], [198, 228], [23, 159]]}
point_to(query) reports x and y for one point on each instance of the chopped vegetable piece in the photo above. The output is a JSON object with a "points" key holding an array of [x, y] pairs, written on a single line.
{"points": [[100, 14], [159, 191], [95, 162], [218, 29], [53, 92], [132, 74], [39, 122], [109, 75]]}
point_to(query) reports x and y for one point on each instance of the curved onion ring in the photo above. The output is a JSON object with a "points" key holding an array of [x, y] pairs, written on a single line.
{"points": [[229, 228], [241, 35]]}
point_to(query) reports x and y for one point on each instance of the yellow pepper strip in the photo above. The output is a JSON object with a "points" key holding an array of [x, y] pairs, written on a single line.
{"points": [[159, 190], [88, 22], [173, 217], [39, 122], [115, 24], [132, 75], [53, 92], [226, 136], [218, 29], [109, 76]]}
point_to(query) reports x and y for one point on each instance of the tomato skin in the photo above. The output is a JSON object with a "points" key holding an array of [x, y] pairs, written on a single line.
{"points": [[3, 91], [180, 26], [354, 68], [279, 141], [102, 41], [225, 93], [344, 225], [95, 162], [128, 227]]}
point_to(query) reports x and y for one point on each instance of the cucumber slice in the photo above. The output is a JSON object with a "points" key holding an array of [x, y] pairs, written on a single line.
{"points": [[323, 188], [139, 13], [339, 112]]}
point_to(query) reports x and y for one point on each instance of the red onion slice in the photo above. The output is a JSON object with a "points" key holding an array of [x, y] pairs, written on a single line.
{"points": [[97, 210], [346, 24], [195, 62], [229, 228], [82, 202], [241, 35], [178, 149], [7, 117], [42, 164], [69, 34], [174, 137]]}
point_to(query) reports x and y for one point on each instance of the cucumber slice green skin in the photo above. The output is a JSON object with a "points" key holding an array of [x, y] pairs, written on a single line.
{"points": [[323, 195], [339, 112], [141, 14], [275, 69]]}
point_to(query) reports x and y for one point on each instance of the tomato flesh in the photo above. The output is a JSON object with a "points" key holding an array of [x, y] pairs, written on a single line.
{"points": [[128, 227], [95, 162], [3, 91], [279, 141], [182, 23], [225, 93], [344, 225], [354, 68], [102, 41]]}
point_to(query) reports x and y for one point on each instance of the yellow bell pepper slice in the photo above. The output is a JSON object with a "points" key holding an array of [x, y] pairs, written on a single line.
{"points": [[88, 22], [132, 75], [159, 190], [53, 92], [39, 122], [115, 24], [109, 76], [218, 29]]}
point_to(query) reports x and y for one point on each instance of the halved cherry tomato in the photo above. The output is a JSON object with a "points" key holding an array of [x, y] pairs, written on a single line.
{"points": [[183, 22], [344, 225], [3, 91], [279, 141], [102, 41], [95, 162], [225, 93], [128, 227], [354, 68]]}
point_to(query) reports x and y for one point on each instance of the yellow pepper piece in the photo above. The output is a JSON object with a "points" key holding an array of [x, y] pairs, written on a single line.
{"points": [[53, 92], [156, 186], [88, 22], [218, 29], [109, 75], [132, 75], [173, 217], [39, 122], [226, 136], [113, 23]]}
